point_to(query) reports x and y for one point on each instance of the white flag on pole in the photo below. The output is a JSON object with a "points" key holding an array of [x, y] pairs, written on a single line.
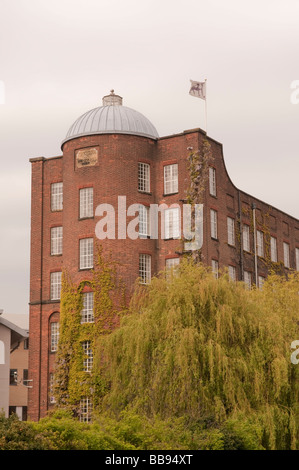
{"points": [[198, 89]]}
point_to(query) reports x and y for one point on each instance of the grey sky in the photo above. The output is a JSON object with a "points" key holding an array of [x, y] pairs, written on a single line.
{"points": [[58, 58]]}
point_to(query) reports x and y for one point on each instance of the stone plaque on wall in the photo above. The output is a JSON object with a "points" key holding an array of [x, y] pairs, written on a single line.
{"points": [[86, 157]]}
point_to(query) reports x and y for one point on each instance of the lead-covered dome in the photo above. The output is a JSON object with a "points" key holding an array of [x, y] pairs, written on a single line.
{"points": [[112, 118]]}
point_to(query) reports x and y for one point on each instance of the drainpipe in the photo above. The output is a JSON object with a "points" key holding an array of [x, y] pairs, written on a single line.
{"points": [[241, 237], [254, 236]]}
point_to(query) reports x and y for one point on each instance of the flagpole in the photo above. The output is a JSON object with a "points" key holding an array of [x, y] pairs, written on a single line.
{"points": [[206, 112]]}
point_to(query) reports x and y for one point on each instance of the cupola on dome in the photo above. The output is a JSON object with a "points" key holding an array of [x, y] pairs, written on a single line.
{"points": [[112, 118]]}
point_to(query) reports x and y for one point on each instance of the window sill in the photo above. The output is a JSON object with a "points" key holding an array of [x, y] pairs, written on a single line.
{"points": [[145, 192], [86, 218], [170, 194], [85, 269]]}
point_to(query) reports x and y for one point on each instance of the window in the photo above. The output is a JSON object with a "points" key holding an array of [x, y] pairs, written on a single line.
{"points": [[232, 273], [172, 223], [144, 221], [260, 243], [13, 377], [56, 240], [212, 181], [261, 281], [230, 231], [51, 389], [143, 177], [213, 215], [170, 265], [87, 311], [297, 259], [86, 202], [54, 336], [246, 238], [56, 196], [273, 249], [85, 410], [87, 356], [171, 179], [247, 279], [86, 253], [55, 281], [215, 268], [145, 268], [286, 254]]}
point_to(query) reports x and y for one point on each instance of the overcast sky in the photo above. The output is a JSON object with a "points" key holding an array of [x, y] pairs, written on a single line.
{"points": [[59, 58]]}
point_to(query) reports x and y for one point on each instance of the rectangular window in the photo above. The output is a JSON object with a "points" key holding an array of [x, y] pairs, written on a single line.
{"points": [[55, 281], [286, 254], [87, 311], [273, 249], [85, 410], [170, 265], [172, 223], [143, 177], [260, 243], [213, 215], [212, 181], [297, 259], [246, 238], [215, 268], [57, 196], [247, 279], [144, 268], [56, 240], [51, 389], [171, 179], [231, 231], [86, 253], [232, 273], [261, 281], [86, 202], [13, 377], [54, 336], [144, 221], [87, 356]]}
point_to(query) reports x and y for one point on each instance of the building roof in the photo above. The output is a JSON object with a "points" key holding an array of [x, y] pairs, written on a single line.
{"points": [[17, 333], [112, 118]]}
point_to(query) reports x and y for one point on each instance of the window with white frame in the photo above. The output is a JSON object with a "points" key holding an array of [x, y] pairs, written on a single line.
{"points": [[87, 356], [55, 285], [213, 217], [85, 410], [273, 249], [144, 177], [261, 281], [56, 196], [172, 223], [144, 221], [87, 315], [246, 238], [215, 268], [86, 253], [170, 265], [286, 254], [86, 202], [56, 240], [51, 388], [171, 179], [247, 279], [212, 181], [145, 268], [231, 231], [260, 243], [232, 273], [297, 259], [54, 336]]}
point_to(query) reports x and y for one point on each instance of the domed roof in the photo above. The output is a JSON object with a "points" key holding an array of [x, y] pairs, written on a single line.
{"points": [[112, 118]]}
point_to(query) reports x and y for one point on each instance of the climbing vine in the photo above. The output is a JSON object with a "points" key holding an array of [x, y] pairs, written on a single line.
{"points": [[72, 382]]}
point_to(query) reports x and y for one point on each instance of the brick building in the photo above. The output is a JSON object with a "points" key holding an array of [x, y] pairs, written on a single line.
{"points": [[114, 151]]}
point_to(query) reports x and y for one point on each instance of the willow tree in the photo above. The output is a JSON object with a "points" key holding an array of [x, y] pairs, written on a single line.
{"points": [[210, 351]]}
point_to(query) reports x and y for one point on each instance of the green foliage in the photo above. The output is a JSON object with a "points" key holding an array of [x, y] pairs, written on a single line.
{"points": [[206, 347]]}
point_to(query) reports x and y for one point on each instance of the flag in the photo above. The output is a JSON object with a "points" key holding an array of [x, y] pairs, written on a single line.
{"points": [[198, 89]]}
